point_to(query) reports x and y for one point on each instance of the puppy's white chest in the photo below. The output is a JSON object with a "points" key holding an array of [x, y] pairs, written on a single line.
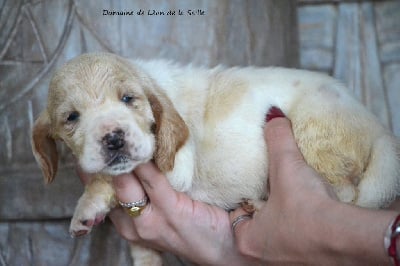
{"points": [[227, 164]]}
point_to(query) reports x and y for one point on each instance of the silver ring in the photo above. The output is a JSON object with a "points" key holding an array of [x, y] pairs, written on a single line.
{"points": [[240, 219], [139, 203], [134, 209]]}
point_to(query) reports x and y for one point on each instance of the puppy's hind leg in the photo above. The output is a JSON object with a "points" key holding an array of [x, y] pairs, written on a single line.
{"points": [[142, 256], [380, 183], [347, 192], [251, 206]]}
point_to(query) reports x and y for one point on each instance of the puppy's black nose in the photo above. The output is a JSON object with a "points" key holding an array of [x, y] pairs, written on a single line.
{"points": [[114, 140]]}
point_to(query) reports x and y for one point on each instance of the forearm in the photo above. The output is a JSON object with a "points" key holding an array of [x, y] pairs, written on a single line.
{"points": [[355, 235]]}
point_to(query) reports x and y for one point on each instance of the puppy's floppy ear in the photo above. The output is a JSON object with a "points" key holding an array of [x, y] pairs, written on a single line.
{"points": [[44, 147], [171, 131]]}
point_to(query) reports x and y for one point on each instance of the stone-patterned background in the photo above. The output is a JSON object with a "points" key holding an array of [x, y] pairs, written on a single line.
{"points": [[356, 41], [359, 43]]}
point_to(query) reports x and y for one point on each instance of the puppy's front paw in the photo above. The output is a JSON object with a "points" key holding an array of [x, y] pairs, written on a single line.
{"points": [[82, 224], [251, 206], [93, 206], [78, 228], [88, 213]]}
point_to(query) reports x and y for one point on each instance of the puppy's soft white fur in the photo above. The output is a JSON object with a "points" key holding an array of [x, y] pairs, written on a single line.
{"points": [[110, 117], [209, 138]]}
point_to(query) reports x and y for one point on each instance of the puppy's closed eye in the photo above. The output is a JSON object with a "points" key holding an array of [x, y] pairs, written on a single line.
{"points": [[73, 117], [153, 128]]}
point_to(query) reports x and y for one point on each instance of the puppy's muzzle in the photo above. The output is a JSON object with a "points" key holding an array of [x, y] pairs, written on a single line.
{"points": [[114, 141], [114, 148]]}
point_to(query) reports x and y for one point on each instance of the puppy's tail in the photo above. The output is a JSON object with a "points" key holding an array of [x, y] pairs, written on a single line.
{"points": [[380, 184]]}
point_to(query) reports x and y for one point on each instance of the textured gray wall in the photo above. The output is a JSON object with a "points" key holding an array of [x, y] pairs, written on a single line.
{"points": [[37, 36], [357, 42]]}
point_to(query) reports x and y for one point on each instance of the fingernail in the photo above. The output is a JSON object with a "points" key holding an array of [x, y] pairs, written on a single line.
{"points": [[274, 112]]}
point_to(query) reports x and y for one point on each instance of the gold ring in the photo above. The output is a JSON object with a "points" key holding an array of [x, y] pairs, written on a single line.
{"points": [[134, 209]]}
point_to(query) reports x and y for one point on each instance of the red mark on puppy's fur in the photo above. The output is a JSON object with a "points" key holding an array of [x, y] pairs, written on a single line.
{"points": [[274, 112]]}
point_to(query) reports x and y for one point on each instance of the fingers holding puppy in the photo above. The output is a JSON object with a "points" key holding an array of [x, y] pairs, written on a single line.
{"points": [[145, 188], [128, 189], [150, 189], [145, 182]]}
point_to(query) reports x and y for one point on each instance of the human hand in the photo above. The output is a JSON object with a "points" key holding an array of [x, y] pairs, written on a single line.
{"points": [[297, 193], [172, 221], [302, 222]]}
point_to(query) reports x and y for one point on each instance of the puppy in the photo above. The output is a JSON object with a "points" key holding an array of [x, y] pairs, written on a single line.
{"points": [[204, 130]]}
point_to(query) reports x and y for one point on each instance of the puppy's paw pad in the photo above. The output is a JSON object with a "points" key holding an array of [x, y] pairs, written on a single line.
{"points": [[79, 233], [250, 206], [99, 219], [80, 227], [88, 223], [93, 222]]}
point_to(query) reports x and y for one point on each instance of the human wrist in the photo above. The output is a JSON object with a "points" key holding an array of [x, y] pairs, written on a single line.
{"points": [[356, 235], [231, 256], [222, 248], [392, 240], [225, 253]]}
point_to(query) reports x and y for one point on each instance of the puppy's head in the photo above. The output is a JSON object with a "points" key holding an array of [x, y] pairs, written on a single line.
{"points": [[110, 114]]}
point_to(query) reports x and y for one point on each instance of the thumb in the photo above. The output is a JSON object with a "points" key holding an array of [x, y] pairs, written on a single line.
{"points": [[284, 156], [288, 170], [156, 185]]}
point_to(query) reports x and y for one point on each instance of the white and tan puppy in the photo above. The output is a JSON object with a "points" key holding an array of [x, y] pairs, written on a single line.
{"points": [[204, 130]]}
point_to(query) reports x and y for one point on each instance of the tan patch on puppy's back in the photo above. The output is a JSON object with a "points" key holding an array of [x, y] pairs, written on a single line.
{"points": [[225, 94], [337, 151]]}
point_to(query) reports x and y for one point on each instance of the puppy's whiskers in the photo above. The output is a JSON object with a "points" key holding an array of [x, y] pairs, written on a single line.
{"points": [[112, 158]]}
